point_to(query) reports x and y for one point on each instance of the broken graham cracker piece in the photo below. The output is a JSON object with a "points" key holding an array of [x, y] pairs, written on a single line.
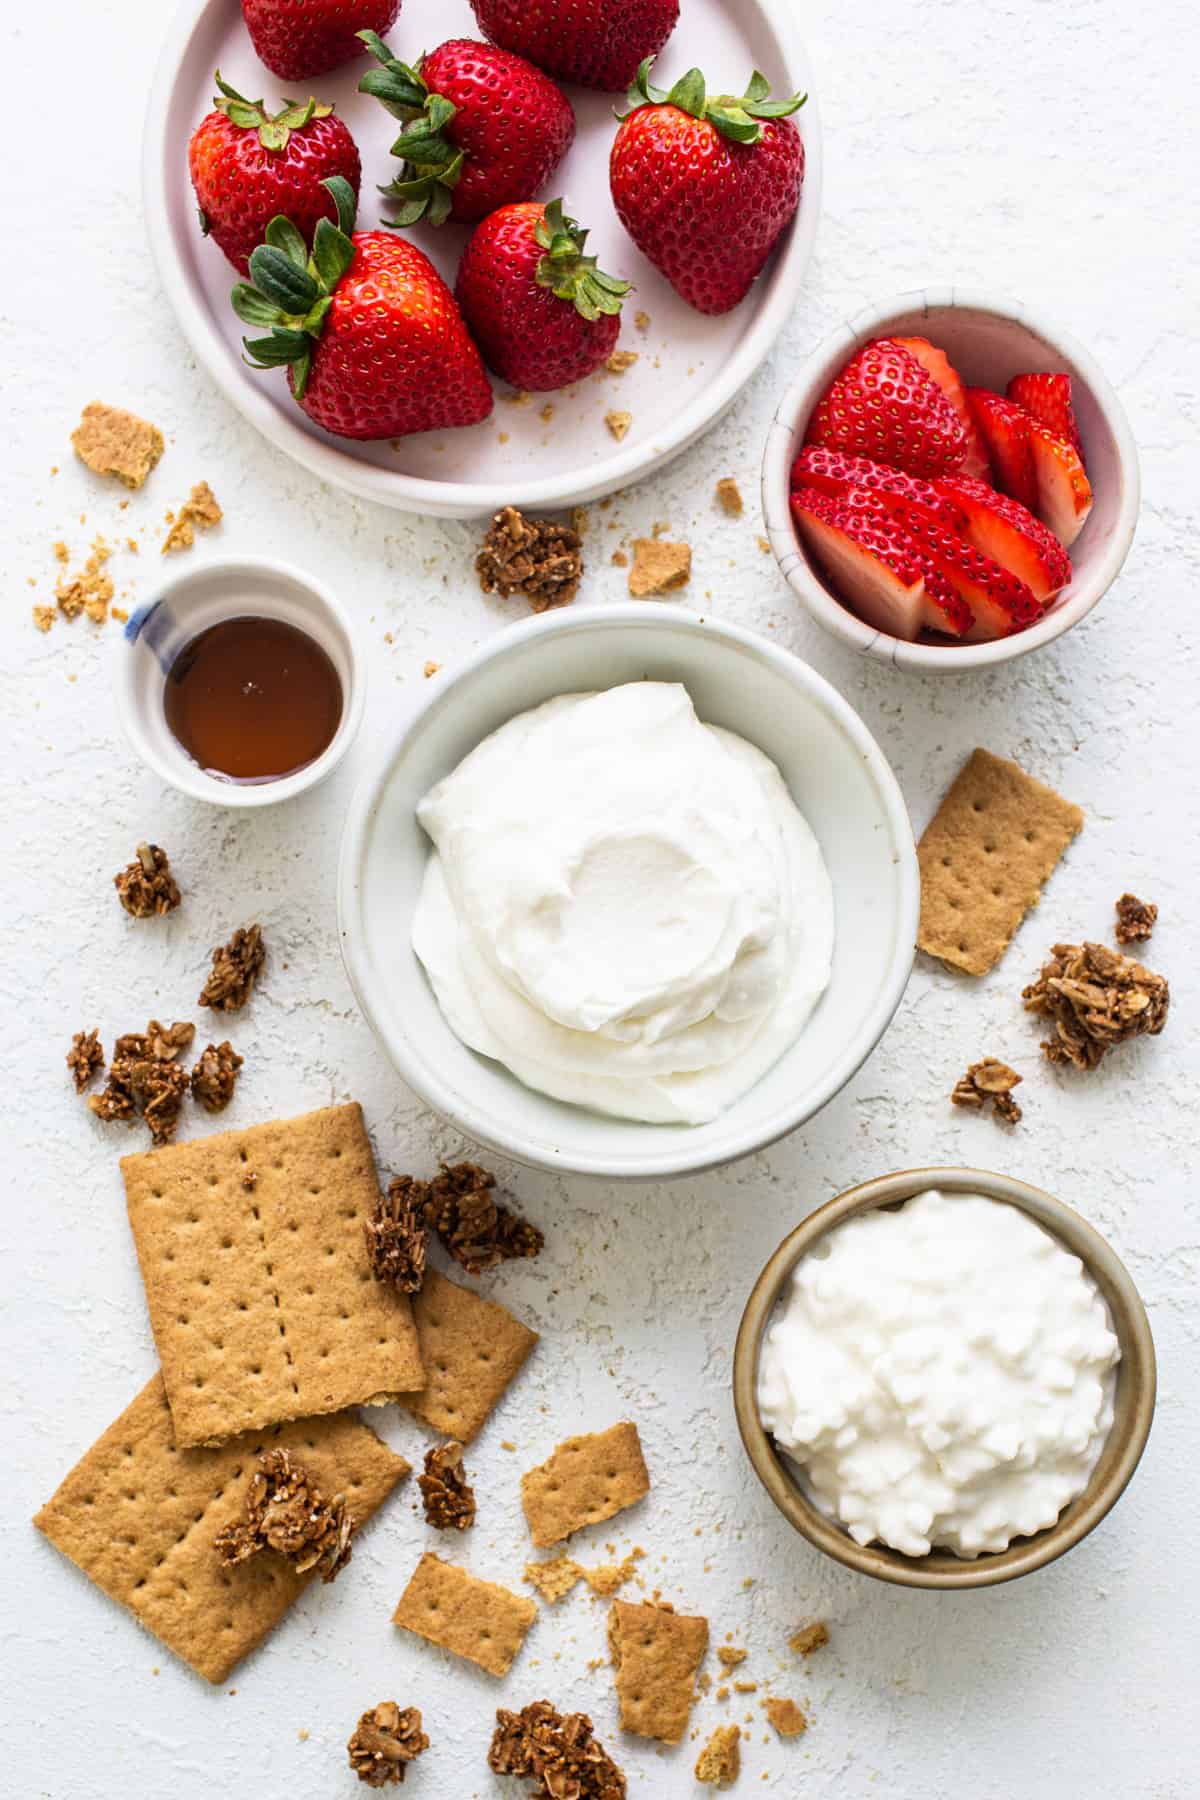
{"points": [[139, 1516], [985, 855], [655, 1654], [113, 442], [809, 1638], [200, 508], [729, 497], [785, 1718], [730, 1657], [555, 1578], [385, 1740], [658, 567], [618, 422], [471, 1348], [261, 1299], [586, 1480], [475, 1619], [720, 1761]]}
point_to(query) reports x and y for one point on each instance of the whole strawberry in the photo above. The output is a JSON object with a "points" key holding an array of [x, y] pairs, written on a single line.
{"points": [[373, 342], [540, 310], [705, 186], [598, 43], [247, 165], [481, 127], [299, 38]]}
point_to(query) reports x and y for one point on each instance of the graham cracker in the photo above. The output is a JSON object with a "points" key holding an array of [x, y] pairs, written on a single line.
{"points": [[655, 1655], [992, 844], [139, 1516], [254, 1259], [587, 1479], [113, 442], [471, 1349], [476, 1619]]}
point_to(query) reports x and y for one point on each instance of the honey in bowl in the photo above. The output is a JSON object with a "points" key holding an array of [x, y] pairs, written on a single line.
{"points": [[253, 699]]}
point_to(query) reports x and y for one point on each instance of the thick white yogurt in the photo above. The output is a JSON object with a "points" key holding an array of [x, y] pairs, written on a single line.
{"points": [[624, 905], [943, 1374]]}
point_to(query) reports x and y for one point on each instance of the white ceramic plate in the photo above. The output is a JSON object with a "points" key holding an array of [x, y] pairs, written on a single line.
{"points": [[691, 368]]}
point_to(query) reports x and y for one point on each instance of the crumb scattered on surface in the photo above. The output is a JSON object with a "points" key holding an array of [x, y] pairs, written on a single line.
{"points": [[764, 545], [446, 1494], [199, 509], [730, 1655], [809, 1638], [286, 1512], [580, 521], [989, 1080], [1135, 919], [114, 442], [659, 567], [90, 589], [1096, 998], [786, 1718], [214, 1076], [84, 1058], [721, 1758], [520, 398], [729, 497], [534, 557], [386, 1739], [745, 1687], [236, 966], [642, 320], [547, 413], [146, 887], [620, 559], [431, 668], [554, 1578], [620, 360], [618, 423], [43, 617]]}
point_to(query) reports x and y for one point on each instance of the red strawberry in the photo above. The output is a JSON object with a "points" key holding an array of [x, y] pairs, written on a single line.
{"points": [[540, 310], [877, 566], [884, 406], [937, 364], [598, 43], [374, 344], [705, 186], [247, 165], [834, 473], [1005, 431], [1006, 530], [1064, 493], [1001, 603], [299, 38], [481, 128], [1047, 400]]}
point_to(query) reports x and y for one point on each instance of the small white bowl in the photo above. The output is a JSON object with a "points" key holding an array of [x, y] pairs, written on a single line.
{"points": [[189, 604], [841, 783], [988, 341]]}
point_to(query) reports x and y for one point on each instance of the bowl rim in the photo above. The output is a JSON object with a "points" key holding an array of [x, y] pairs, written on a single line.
{"points": [[673, 1159], [793, 560], [325, 458], [1137, 1370]]}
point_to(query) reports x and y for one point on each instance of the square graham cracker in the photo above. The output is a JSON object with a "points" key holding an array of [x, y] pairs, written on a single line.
{"points": [[261, 1297], [139, 1516], [655, 1655], [985, 855], [586, 1480], [471, 1349], [478, 1620]]}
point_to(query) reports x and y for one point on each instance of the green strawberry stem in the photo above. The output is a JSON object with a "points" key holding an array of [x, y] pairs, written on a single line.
{"points": [[291, 290], [736, 116], [432, 164], [568, 273], [273, 129]]}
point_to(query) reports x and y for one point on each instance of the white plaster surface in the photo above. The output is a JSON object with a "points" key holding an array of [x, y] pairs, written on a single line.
{"points": [[1043, 150]]}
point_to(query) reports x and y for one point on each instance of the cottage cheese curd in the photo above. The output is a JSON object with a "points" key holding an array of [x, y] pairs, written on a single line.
{"points": [[624, 905], [943, 1374]]}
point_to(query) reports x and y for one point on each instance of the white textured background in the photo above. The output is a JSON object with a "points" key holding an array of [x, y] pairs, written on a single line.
{"points": [[1046, 151]]}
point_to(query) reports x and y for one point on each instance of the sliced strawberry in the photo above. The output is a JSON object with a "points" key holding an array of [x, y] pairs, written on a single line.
{"points": [[1001, 602], [1047, 400], [876, 566], [1005, 430], [834, 473], [1007, 531], [885, 407], [1064, 493], [937, 364]]}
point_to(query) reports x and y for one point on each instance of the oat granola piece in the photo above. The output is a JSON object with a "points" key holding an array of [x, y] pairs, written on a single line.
{"points": [[113, 442], [989, 1080], [286, 1512], [618, 423], [620, 360], [1096, 998], [809, 1638], [785, 1718], [144, 1078], [236, 966], [534, 557], [85, 1056], [146, 888], [395, 1235], [729, 497], [1135, 919], [446, 1494], [214, 1075], [159, 1090], [478, 1232], [659, 567], [201, 508], [386, 1739], [721, 1758], [558, 1753]]}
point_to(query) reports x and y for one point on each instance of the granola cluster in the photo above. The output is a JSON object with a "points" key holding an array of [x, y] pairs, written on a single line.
{"points": [[147, 888], [556, 1752], [236, 966], [144, 1078], [1095, 998], [992, 1081], [386, 1739], [395, 1235], [476, 1230], [446, 1494], [85, 1056], [534, 557], [1135, 919], [286, 1512], [214, 1076]]}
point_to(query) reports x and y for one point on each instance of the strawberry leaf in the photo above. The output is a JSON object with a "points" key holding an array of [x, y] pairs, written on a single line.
{"points": [[345, 199], [332, 254], [689, 94], [281, 234], [283, 346], [274, 274], [274, 129], [253, 308], [569, 274]]}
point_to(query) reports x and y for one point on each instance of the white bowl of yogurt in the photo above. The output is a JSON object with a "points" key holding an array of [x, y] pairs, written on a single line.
{"points": [[633, 893]]}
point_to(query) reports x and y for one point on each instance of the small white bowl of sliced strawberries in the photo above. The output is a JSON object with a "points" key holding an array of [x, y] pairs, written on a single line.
{"points": [[949, 483]]}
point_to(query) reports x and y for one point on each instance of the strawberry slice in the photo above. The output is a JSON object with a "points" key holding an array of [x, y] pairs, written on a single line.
{"points": [[835, 473], [1064, 493], [937, 364], [1009, 533], [1005, 430], [1001, 603], [877, 567], [885, 407], [1047, 400]]}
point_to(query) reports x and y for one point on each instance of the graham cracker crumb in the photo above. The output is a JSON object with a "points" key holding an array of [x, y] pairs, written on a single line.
{"points": [[119, 614], [786, 1717], [620, 360], [730, 1655], [553, 1579], [659, 567], [764, 545], [431, 668], [809, 1638], [729, 497], [642, 320], [43, 617], [745, 1687], [721, 1759], [61, 553], [521, 398], [618, 423], [620, 559], [580, 520], [199, 509], [90, 589], [113, 442], [547, 412]]}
